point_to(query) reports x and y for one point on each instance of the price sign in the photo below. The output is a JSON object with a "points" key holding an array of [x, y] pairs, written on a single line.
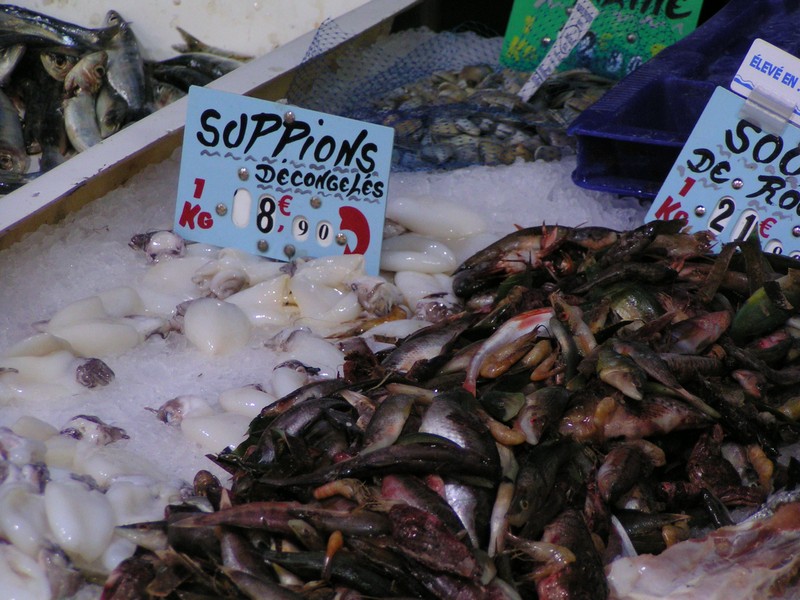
{"points": [[624, 35], [281, 181], [735, 179]]}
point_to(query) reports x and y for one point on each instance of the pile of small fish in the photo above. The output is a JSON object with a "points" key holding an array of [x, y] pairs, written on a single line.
{"points": [[64, 88], [596, 394], [474, 116]]}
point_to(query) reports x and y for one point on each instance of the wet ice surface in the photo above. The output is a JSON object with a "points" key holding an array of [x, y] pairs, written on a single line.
{"points": [[89, 253]]}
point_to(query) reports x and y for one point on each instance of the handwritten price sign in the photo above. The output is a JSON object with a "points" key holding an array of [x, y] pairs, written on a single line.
{"points": [[281, 181], [736, 180]]}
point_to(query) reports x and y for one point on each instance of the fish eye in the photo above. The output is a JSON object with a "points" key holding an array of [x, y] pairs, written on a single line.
{"points": [[100, 71], [6, 162], [524, 504], [59, 60]]}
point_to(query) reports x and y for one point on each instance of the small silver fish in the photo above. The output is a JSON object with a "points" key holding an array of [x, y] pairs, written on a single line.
{"points": [[22, 25], [9, 57], [87, 74], [192, 44], [13, 157], [110, 110], [80, 122], [57, 64], [125, 65]]}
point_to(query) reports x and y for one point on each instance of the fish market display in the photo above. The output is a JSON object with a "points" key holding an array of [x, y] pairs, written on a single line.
{"points": [[473, 115], [64, 88], [574, 397]]}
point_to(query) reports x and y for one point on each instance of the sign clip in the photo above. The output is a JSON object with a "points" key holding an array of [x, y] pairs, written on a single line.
{"points": [[771, 113]]}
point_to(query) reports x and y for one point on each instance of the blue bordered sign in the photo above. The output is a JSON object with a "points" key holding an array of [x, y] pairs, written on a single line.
{"points": [[281, 181], [734, 179]]}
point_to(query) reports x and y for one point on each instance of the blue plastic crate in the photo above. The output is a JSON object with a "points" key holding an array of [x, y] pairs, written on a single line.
{"points": [[629, 140]]}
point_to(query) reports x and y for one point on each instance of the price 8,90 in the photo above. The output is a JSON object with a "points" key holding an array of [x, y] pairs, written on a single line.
{"points": [[266, 219]]}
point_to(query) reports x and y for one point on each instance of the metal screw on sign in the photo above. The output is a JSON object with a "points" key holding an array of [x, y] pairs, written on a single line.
{"points": [[796, 231], [700, 211], [546, 41], [221, 209], [288, 117], [262, 245], [316, 202], [243, 173], [341, 239], [289, 250], [737, 184]]}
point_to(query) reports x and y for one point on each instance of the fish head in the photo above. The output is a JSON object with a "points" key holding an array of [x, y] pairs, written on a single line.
{"points": [[12, 160]]}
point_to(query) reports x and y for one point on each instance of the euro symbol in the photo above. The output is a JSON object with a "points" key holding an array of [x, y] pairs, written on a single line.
{"points": [[765, 226]]}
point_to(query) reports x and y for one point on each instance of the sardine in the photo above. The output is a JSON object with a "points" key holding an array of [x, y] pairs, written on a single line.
{"points": [[31, 27], [192, 44], [79, 119], [126, 66], [10, 181], [87, 74], [9, 57], [41, 96], [110, 110], [164, 94], [180, 76], [57, 64], [13, 158], [211, 65]]}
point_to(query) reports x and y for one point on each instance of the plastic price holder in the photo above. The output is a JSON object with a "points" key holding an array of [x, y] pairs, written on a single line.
{"points": [[574, 30], [281, 181]]}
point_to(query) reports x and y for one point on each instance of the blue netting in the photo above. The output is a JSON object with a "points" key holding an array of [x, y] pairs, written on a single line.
{"points": [[446, 95]]}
